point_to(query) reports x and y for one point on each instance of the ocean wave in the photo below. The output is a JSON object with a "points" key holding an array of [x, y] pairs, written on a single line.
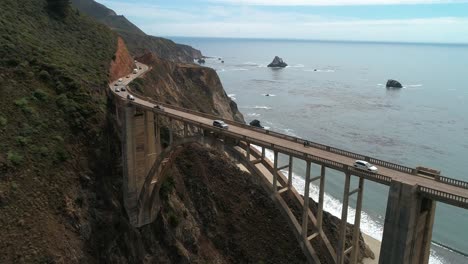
{"points": [[414, 85], [253, 114], [238, 69], [296, 66], [258, 107], [269, 95]]}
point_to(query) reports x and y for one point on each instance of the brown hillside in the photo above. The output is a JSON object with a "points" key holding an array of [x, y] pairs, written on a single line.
{"points": [[187, 85], [122, 63]]}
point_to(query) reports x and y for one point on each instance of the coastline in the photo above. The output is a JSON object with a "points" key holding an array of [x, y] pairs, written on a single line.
{"points": [[374, 245]]}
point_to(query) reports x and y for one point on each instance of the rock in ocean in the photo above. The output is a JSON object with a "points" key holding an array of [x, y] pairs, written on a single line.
{"points": [[277, 62], [394, 84]]}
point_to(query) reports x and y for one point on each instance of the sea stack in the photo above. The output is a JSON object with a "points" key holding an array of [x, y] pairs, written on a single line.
{"points": [[277, 63], [393, 84], [201, 61], [256, 123]]}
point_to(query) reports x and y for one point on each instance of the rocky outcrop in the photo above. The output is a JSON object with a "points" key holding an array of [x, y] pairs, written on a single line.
{"points": [[255, 123], [201, 61], [187, 85], [393, 84], [277, 63], [122, 63]]}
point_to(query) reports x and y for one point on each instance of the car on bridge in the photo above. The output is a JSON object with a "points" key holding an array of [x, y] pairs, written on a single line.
{"points": [[123, 89], [220, 124], [117, 89], [130, 97], [159, 108], [364, 165]]}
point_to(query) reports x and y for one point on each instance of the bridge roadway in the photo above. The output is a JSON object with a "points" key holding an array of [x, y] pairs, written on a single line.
{"points": [[241, 131]]}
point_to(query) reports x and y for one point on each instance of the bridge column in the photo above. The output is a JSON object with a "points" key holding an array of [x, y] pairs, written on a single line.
{"points": [[340, 250], [290, 172], [408, 226], [171, 131], [185, 130], [321, 199], [157, 132], [275, 171], [357, 222], [248, 151], [263, 153], [150, 140], [305, 209]]}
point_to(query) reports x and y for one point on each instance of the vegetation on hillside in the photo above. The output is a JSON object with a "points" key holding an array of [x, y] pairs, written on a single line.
{"points": [[53, 65]]}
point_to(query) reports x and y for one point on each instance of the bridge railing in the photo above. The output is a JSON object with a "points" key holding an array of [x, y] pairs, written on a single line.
{"points": [[449, 197], [386, 164]]}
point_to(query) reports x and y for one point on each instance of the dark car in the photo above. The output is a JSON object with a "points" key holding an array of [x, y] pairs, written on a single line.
{"points": [[159, 108]]}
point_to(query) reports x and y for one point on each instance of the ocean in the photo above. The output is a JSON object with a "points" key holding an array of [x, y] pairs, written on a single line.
{"points": [[334, 93]]}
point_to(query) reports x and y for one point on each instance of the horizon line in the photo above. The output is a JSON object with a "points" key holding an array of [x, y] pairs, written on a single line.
{"points": [[329, 40]]}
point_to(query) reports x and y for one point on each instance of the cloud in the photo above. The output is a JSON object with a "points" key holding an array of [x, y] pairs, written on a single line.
{"points": [[335, 2]]}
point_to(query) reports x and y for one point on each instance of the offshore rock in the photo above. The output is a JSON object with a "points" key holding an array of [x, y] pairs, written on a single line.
{"points": [[255, 123], [277, 62], [393, 84]]}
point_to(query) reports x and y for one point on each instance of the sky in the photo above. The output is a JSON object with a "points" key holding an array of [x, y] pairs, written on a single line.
{"points": [[427, 21]]}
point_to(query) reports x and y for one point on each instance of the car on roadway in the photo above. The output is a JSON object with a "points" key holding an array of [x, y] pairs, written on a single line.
{"points": [[120, 80], [117, 89], [130, 97], [220, 124], [128, 76], [364, 165], [116, 84], [159, 108], [123, 89]]}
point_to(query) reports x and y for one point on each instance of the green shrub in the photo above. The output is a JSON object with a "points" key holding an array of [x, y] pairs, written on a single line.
{"points": [[44, 75], [14, 157], [40, 95], [44, 151], [23, 102], [3, 121], [61, 155], [166, 188], [173, 219], [22, 141]]}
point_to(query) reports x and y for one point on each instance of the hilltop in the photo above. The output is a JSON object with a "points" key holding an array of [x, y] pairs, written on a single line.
{"points": [[138, 42]]}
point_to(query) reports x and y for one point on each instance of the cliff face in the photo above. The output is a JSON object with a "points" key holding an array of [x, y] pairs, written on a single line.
{"points": [[122, 63], [137, 41], [211, 212], [187, 85]]}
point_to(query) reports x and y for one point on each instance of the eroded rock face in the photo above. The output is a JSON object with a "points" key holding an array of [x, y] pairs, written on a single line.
{"points": [[394, 84], [278, 63]]}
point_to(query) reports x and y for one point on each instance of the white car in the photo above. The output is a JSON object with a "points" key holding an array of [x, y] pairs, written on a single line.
{"points": [[220, 124], [130, 97], [364, 165], [117, 89], [120, 80]]}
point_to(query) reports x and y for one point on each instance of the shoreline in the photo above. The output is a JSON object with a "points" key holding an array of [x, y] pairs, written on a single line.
{"points": [[374, 245]]}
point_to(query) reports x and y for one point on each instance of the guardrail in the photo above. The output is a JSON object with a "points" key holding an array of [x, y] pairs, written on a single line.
{"points": [[448, 197], [386, 164]]}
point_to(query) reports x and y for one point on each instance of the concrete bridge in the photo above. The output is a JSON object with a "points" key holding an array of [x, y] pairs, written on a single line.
{"points": [[411, 200]]}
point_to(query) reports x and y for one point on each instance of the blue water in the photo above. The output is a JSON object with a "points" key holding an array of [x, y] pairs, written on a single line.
{"points": [[334, 93]]}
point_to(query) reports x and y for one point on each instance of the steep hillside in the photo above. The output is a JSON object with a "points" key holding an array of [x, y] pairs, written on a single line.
{"points": [[137, 41], [187, 85], [53, 130]]}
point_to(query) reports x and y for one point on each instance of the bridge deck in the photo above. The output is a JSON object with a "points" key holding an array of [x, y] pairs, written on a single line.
{"points": [[280, 144]]}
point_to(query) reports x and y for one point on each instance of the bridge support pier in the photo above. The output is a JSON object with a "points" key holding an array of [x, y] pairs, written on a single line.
{"points": [[305, 210], [321, 199], [290, 173], [340, 250], [275, 172], [408, 226]]}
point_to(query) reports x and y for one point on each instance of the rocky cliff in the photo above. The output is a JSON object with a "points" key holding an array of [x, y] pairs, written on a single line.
{"points": [[187, 85], [122, 63], [137, 41]]}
